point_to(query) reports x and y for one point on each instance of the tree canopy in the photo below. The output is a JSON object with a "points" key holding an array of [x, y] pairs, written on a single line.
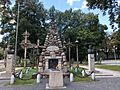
{"points": [[34, 18], [109, 6]]}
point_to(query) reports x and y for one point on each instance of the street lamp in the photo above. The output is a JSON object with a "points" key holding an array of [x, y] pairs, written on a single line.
{"points": [[17, 31], [69, 44], [114, 48], [69, 50], [76, 42]]}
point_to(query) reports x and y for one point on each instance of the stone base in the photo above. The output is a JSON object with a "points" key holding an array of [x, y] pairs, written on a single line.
{"points": [[48, 87]]}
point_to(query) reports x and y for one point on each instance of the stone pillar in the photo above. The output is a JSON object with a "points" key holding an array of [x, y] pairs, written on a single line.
{"points": [[91, 62], [91, 59], [10, 64]]}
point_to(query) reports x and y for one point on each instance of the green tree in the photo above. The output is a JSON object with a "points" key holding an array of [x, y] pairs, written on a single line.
{"points": [[84, 27], [6, 17], [32, 18], [70, 24], [1, 53], [109, 6]]}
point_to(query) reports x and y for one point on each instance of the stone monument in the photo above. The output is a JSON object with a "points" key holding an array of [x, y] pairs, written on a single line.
{"points": [[91, 60], [52, 56], [53, 59], [25, 44], [10, 63]]}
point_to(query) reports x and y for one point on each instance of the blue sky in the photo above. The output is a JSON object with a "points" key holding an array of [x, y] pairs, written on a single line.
{"points": [[63, 5]]}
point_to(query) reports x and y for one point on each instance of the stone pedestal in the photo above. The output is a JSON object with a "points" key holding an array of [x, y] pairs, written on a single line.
{"points": [[10, 65], [91, 62], [55, 80]]}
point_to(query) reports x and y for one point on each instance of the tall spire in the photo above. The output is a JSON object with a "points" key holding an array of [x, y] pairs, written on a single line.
{"points": [[53, 27]]}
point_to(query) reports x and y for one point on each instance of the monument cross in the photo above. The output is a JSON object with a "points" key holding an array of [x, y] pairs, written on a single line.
{"points": [[25, 44]]}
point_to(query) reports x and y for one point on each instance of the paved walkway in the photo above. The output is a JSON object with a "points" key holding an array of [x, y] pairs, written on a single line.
{"points": [[99, 84], [104, 73], [111, 62]]}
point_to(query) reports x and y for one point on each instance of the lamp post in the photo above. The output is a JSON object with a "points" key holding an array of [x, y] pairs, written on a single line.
{"points": [[114, 48], [76, 42], [69, 49], [38, 42], [69, 44], [17, 31]]}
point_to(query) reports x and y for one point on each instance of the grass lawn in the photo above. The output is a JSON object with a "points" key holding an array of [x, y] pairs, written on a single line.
{"points": [[25, 79], [78, 75], [110, 67], [24, 82], [84, 79], [30, 72]]}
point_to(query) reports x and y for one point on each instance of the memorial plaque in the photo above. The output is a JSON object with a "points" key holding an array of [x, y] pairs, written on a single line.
{"points": [[53, 48], [56, 79]]}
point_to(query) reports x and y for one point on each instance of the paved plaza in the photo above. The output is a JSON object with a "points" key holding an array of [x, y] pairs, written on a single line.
{"points": [[108, 80], [99, 84]]}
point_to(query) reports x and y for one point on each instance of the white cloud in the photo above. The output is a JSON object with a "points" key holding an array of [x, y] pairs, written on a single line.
{"points": [[70, 2], [118, 2], [84, 4], [76, 9]]}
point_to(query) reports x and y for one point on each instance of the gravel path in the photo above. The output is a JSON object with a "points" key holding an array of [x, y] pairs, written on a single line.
{"points": [[99, 84]]}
